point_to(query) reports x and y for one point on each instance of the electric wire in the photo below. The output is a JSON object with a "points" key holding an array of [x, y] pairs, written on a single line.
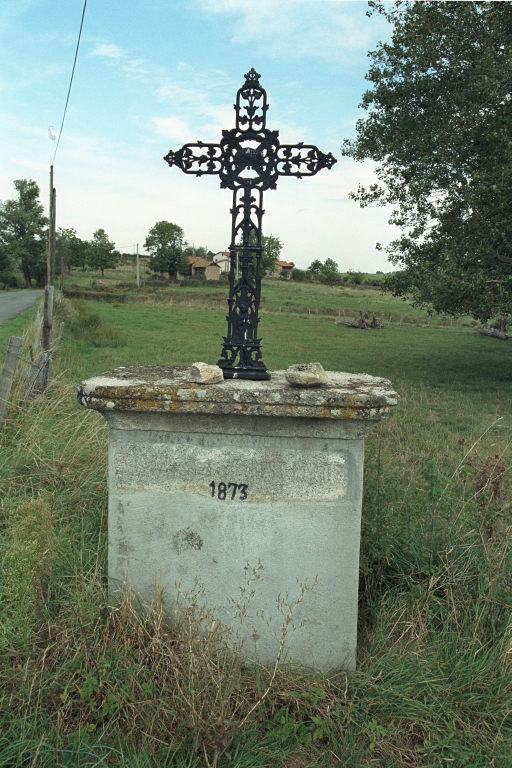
{"points": [[71, 81]]}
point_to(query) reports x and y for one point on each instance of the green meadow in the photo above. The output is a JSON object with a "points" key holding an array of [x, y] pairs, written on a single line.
{"points": [[83, 683]]}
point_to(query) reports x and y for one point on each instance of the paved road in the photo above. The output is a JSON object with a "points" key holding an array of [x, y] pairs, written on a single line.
{"points": [[14, 302]]}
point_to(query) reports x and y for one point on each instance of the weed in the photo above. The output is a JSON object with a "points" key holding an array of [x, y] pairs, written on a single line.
{"points": [[88, 326]]}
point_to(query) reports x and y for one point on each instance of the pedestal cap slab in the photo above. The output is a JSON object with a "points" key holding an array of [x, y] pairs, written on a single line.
{"points": [[158, 388]]}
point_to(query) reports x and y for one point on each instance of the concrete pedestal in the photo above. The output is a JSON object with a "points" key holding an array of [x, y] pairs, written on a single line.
{"points": [[210, 483]]}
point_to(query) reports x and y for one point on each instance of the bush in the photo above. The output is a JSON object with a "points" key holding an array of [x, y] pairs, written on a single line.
{"points": [[356, 278], [88, 326], [299, 275]]}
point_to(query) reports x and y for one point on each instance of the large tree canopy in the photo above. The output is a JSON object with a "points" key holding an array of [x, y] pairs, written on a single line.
{"points": [[439, 126], [101, 253], [166, 243], [71, 249], [23, 234]]}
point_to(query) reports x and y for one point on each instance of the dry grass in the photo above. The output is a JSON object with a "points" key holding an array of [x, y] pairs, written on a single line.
{"points": [[86, 683]]}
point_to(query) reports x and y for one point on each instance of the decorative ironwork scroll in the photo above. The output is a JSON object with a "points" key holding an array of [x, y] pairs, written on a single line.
{"points": [[248, 160]]}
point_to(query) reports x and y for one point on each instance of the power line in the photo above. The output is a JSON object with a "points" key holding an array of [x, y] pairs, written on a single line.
{"points": [[71, 80]]}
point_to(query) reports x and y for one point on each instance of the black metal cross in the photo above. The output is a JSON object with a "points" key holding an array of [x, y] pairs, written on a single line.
{"points": [[249, 160]]}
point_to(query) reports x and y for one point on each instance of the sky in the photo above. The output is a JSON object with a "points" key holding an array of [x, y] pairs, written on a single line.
{"points": [[154, 74]]}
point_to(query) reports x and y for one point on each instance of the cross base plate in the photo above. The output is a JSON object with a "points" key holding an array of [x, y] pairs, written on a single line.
{"points": [[244, 373]]}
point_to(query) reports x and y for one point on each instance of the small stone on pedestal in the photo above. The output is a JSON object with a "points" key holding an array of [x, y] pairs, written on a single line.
{"points": [[306, 375], [202, 373]]}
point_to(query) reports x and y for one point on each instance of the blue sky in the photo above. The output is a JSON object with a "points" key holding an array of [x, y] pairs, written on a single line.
{"points": [[153, 74]]}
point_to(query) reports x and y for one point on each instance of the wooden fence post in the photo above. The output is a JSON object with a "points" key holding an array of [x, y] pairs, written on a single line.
{"points": [[33, 382], [47, 331], [11, 360], [59, 339], [39, 328]]}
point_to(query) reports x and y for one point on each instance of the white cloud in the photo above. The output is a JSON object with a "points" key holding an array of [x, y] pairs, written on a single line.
{"points": [[294, 29], [109, 51], [172, 128], [198, 102]]}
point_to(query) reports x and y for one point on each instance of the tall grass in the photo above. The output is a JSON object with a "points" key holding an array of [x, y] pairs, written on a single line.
{"points": [[89, 684]]}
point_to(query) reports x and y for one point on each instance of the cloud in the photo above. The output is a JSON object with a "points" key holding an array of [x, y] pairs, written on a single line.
{"points": [[295, 29], [207, 114], [172, 128], [109, 51]]}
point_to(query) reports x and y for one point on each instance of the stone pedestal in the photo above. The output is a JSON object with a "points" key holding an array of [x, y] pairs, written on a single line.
{"points": [[210, 483]]}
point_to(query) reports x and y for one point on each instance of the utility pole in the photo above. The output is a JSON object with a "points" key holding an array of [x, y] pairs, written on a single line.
{"points": [[138, 273], [50, 283], [62, 271], [143, 270], [50, 265]]}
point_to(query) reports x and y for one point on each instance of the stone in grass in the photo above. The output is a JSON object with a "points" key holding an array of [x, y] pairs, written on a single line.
{"points": [[306, 375], [202, 373]]}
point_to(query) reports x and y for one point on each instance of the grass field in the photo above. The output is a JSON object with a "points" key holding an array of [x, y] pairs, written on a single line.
{"points": [[82, 684], [278, 296]]}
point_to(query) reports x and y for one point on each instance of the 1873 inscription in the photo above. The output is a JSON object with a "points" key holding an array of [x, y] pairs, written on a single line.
{"points": [[203, 465], [224, 491]]}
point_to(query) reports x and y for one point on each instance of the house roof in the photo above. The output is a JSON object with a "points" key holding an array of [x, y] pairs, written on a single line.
{"points": [[198, 261], [283, 264]]}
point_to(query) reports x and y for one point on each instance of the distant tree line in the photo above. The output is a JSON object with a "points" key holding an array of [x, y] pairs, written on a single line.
{"points": [[170, 252], [24, 237], [329, 274]]}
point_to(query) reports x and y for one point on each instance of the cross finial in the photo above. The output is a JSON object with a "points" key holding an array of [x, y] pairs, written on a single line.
{"points": [[252, 77]]}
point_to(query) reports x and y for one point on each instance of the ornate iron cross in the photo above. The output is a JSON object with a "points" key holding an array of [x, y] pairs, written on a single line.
{"points": [[249, 160]]}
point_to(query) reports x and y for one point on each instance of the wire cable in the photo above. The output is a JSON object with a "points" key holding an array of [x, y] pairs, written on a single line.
{"points": [[71, 80]]}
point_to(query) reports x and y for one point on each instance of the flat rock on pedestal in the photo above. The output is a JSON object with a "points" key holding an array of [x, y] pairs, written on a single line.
{"points": [[202, 373], [306, 375]]}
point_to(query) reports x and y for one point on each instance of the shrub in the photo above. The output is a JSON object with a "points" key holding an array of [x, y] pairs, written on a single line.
{"points": [[88, 326]]}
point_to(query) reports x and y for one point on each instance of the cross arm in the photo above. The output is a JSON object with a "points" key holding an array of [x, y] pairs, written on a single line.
{"points": [[197, 159], [302, 160]]}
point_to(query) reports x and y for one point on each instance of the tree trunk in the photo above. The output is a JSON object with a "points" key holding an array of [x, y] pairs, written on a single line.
{"points": [[493, 332], [102, 273]]}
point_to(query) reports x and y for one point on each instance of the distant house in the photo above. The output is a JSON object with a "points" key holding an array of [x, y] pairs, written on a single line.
{"points": [[199, 266], [223, 259], [282, 269]]}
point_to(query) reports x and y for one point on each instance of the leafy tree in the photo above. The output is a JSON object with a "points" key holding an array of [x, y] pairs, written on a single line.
{"points": [[101, 253], [299, 275], [23, 233], [6, 267], [315, 268], [327, 272], [330, 272], [272, 248], [71, 248], [78, 253], [198, 251], [166, 243], [439, 127]]}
